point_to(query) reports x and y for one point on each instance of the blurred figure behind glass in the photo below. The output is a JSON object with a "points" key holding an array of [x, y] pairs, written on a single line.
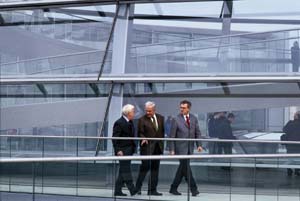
{"points": [[295, 56], [292, 133]]}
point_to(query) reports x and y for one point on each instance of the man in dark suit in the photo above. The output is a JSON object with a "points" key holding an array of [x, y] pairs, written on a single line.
{"points": [[185, 125], [123, 127], [225, 132], [212, 132], [292, 133], [151, 125]]}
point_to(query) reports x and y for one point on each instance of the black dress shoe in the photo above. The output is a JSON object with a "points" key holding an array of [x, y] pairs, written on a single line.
{"points": [[133, 192], [195, 193], [120, 194], [137, 191], [174, 192], [154, 193]]}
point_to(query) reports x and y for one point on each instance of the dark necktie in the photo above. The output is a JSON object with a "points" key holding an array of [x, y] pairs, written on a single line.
{"points": [[154, 123], [187, 119]]}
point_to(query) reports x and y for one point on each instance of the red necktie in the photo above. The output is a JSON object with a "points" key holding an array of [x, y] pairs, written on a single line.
{"points": [[187, 120]]}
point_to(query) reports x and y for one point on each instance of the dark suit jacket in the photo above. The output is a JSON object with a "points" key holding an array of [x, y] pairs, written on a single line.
{"points": [[224, 129], [122, 128], [212, 127], [147, 129], [292, 130]]}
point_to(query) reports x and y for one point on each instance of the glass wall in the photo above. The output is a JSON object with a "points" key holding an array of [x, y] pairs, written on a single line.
{"points": [[261, 110], [55, 41], [163, 38], [249, 181], [67, 69]]}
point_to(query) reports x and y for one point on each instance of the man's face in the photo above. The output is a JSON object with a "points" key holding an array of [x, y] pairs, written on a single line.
{"points": [[131, 114], [150, 111], [184, 109]]}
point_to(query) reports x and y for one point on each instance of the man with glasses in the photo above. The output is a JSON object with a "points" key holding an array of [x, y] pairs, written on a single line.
{"points": [[185, 125]]}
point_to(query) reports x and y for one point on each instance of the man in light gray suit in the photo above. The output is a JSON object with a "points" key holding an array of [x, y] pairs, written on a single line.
{"points": [[185, 125]]}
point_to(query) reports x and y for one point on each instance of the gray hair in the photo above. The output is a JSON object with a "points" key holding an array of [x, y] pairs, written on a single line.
{"points": [[127, 109], [150, 104]]}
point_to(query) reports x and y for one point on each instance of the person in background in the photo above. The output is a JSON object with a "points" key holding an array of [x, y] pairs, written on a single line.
{"points": [[212, 132], [292, 133], [295, 56], [219, 121], [225, 132]]}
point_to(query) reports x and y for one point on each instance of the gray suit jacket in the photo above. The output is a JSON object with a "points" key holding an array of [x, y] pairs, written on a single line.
{"points": [[180, 129]]}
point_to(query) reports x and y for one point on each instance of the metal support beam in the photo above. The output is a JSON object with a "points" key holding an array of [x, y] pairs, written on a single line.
{"points": [[109, 41], [2, 21], [227, 9], [161, 95], [226, 26], [227, 14], [122, 39], [95, 88], [161, 78], [225, 88], [33, 4], [216, 20], [42, 88], [105, 118], [120, 53]]}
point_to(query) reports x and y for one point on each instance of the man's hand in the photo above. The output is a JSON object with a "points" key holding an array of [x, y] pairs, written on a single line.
{"points": [[200, 149], [120, 153], [172, 152], [144, 142]]}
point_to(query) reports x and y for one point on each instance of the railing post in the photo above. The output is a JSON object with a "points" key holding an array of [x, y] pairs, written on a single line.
{"points": [[33, 181], [254, 179]]}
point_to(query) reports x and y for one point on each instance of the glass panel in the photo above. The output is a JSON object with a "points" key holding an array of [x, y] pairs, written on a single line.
{"points": [[215, 179], [262, 118], [248, 9], [54, 110], [193, 37], [264, 53], [208, 9], [55, 41]]}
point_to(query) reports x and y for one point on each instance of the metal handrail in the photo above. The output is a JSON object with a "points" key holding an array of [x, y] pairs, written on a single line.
{"points": [[52, 57], [225, 36], [154, 139], [162, 78], [152, 157], [216, 46]]}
